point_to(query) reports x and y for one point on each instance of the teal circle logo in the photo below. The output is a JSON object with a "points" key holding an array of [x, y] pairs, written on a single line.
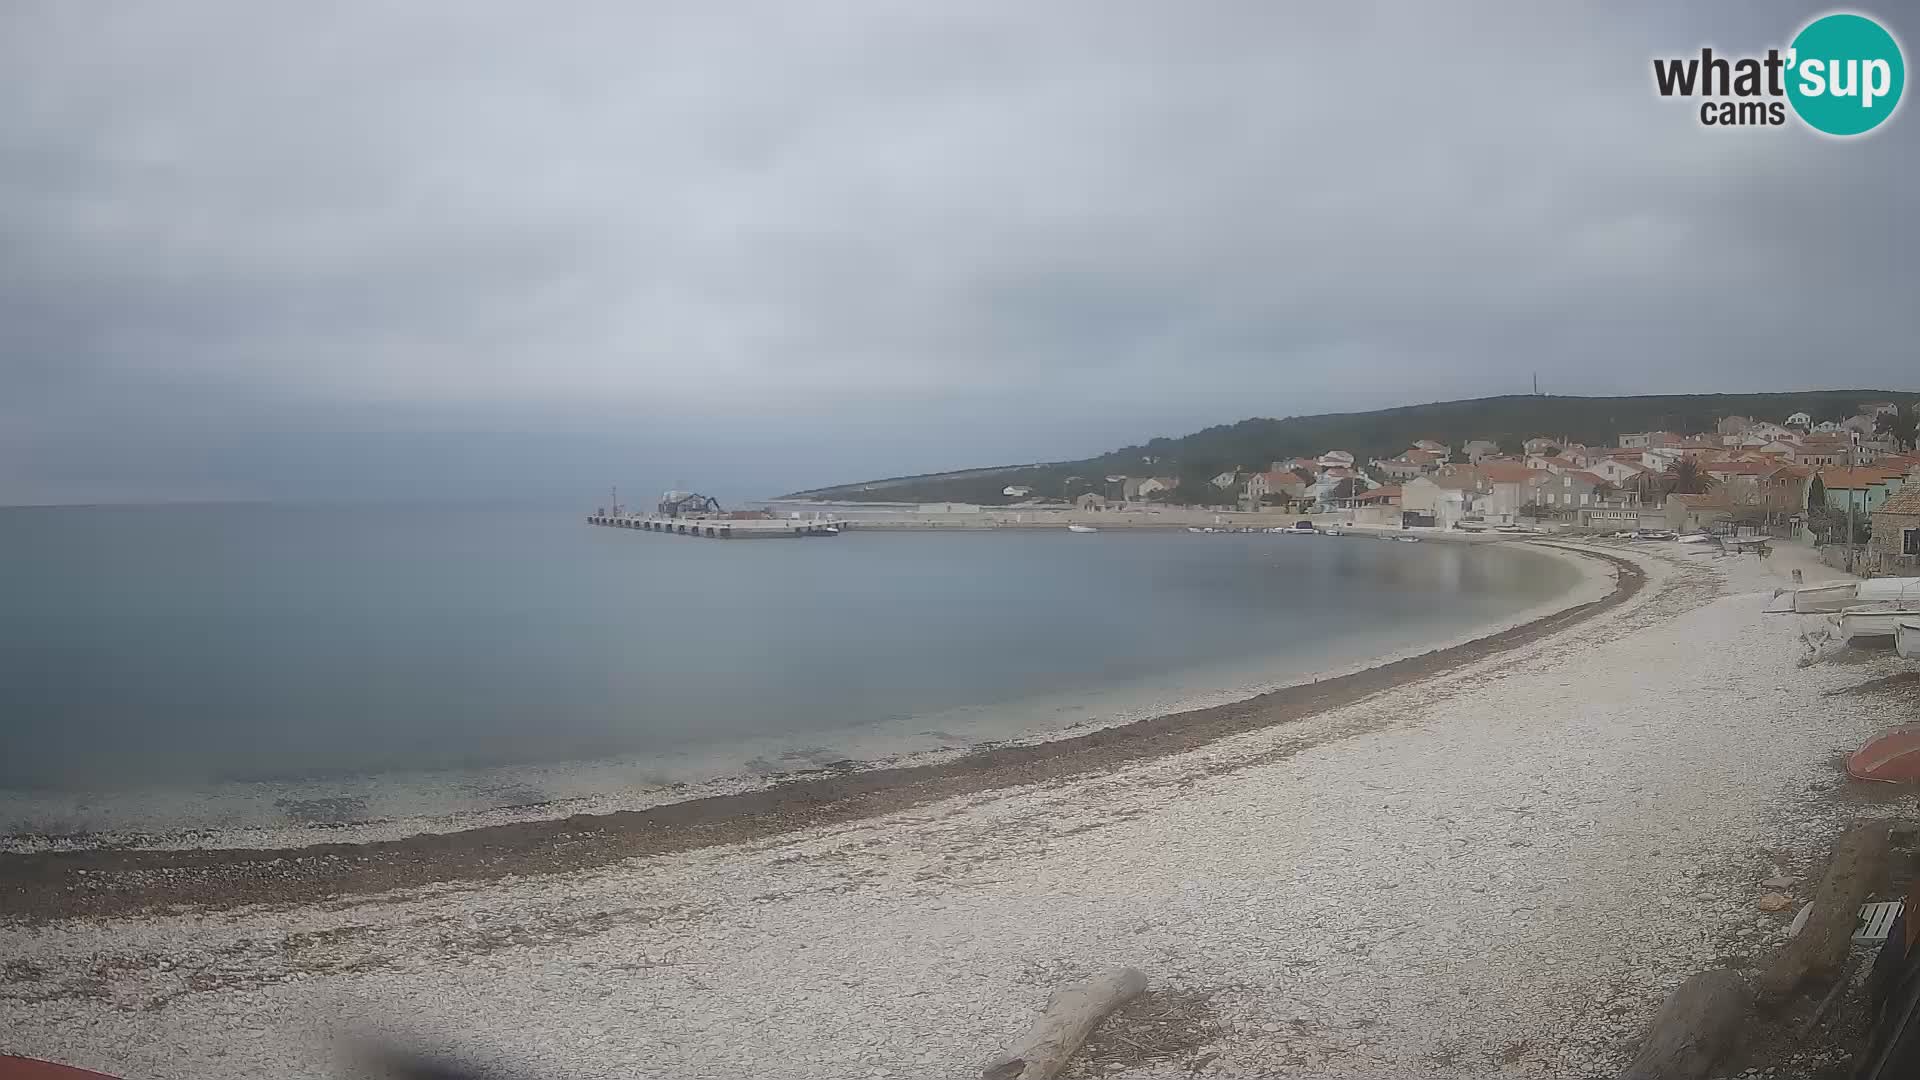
{"points": [[1845, 74]]}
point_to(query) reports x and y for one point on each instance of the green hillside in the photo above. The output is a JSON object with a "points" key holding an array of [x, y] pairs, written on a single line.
{"points": [[1252, 444]]}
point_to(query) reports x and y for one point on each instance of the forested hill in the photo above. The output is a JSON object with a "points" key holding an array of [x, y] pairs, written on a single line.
{"points": [[1252, 444]]}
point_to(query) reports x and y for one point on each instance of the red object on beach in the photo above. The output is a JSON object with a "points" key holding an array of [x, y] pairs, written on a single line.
{"points": [[1893, 756], [19, 1068]]}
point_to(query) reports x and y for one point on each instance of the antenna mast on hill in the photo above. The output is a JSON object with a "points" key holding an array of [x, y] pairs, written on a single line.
{"points": [[1536, 384]]}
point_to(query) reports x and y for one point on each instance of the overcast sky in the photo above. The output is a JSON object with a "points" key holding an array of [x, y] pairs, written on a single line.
{"points": [[333, 250]]}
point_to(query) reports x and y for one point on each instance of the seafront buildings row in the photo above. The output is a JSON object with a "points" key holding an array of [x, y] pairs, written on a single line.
{"points": [[1851, 480]]}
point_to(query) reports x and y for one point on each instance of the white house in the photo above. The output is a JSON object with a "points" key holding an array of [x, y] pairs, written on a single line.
{"points": [[1449, 497], [1335, 459], [1157, 485], [1276, 482], [1800, 420], [1226, 480], [1330, 480], [1510, 486], [1617, 472], [1016, 491]]}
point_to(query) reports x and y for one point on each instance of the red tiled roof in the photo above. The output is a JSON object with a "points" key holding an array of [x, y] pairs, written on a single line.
{"points": [[1456, 480], [1380, 494], [1504, 472], [1904, 501], [1742, 468], [1856, 479]]}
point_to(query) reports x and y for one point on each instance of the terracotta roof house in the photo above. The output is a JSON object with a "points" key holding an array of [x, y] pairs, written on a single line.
{"points": [[1895, 544], [1687, 513], [1861, 489]]}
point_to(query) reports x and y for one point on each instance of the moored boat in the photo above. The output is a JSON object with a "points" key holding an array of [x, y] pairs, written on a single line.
{"points": [[1081, 528]]}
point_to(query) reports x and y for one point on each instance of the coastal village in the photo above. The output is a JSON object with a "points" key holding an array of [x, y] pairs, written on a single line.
{"points": [[1832, 482]]}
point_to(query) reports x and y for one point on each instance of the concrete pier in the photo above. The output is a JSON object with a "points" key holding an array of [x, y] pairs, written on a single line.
{"points": [[722, 528]]}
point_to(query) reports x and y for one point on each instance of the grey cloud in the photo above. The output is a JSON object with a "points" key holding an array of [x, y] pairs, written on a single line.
{"points": [[312, 249]]}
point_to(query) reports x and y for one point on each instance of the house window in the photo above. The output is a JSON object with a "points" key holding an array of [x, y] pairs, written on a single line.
{"points": [[1910, 541]]}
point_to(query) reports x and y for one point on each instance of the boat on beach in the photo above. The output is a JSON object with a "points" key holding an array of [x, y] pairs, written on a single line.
{"points": [[1875, 620], [1906, 637], [1829, 597], [1898, 590], [1821, 599]]}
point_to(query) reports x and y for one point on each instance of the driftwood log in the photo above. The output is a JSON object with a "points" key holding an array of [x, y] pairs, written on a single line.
{"points": [[1070, 1016], [1694, 1029], [1819, 951]]}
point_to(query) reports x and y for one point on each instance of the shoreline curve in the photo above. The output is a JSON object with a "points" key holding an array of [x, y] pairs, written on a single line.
{"points": [[105, 882]]}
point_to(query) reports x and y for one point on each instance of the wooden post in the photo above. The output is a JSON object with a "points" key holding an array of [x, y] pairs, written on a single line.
{"points": [[1070, 1016]]}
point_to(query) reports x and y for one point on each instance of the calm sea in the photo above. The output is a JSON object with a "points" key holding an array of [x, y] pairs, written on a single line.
{"points": [[353, 650]]}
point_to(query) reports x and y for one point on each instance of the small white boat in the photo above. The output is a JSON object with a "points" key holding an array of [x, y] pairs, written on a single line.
{"points": [[1906, 637], [1334, 530], [1823, 598], [1193, 528], [1902, 590], [1408, 539], [1081, 528], [1874, 620], [1696, 538]]}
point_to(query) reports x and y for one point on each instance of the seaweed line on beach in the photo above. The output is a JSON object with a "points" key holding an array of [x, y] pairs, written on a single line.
{"points": [[113, 882]]}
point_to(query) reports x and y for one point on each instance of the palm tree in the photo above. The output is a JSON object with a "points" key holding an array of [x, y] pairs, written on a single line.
{"points": [[1685, 477]]}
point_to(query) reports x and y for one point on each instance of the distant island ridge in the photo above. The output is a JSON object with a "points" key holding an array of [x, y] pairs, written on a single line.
{"points": [[1253, 442]]}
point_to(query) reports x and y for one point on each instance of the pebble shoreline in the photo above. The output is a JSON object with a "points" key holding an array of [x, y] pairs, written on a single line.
{"points": [[1498, 869]]}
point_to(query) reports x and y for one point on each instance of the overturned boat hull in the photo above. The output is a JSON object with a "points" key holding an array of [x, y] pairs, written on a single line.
{"points": [[1893, 756], [1824, 599]]}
